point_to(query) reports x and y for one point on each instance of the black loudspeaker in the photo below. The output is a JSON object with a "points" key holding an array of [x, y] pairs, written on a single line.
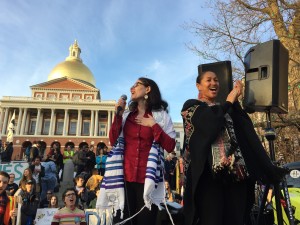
{"points": [[266, 78], [224, 72]]}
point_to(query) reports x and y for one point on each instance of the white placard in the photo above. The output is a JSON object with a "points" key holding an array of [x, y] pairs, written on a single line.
{"points": [[44, 216]]}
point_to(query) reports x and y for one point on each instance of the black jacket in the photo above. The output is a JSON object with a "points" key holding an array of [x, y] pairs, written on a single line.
{"points": [[205, 123]]}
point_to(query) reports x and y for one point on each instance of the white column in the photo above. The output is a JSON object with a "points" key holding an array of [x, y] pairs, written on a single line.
{"points": [[23, 121], [19, 121], [1, 119], [51, 122], [68, 123], [65, 122], [37, 121], [5, 121], [27, 122], [96, 123], [78, 133], [92, 123], [108, 122]]}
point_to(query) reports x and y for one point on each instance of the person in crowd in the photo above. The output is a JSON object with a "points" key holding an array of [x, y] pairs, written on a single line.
{"points": [[49, 181], [100, 161], [180, 161], [7, 211], [146, 121], [12, 187], [45, 201], [56, 156], [38, 171], [30, 203], [34, 151], [53, 203], [27, 152], [169, 169], [69, 214], [81, 191], [81, 159], [170, 197], [92, 184], [172, 171], [7, 152], [222, 152], [27, 175], [91, 159], [67, 156], [92, 203]]}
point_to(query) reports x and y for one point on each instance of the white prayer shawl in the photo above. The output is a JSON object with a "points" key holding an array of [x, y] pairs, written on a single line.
{"points": [[111, 196]]}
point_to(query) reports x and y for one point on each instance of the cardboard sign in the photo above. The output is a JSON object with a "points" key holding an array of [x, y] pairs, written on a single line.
{"points": [[44, 216], [16, 168]]}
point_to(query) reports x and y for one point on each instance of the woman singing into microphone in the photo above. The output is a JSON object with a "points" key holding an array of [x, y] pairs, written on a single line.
{"points": [[147, 121]]}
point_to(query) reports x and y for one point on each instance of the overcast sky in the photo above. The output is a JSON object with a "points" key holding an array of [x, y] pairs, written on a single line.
{"points": [[120, 40]]}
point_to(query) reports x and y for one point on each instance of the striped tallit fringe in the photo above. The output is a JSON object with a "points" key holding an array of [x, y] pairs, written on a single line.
{"points": [[154, 188], [112, 188]]}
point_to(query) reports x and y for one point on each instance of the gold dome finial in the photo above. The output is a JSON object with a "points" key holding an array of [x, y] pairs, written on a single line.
{"points": [[73, 67], [74, 52]]}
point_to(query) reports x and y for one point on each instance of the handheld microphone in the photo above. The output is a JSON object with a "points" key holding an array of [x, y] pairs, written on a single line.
{"points": [[119, 108]]}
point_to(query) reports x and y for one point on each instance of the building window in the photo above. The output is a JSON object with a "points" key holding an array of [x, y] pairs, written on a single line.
{"points": [[32, 126], [177, 134], [102, 129], [51, 96], [88, 98], [59, 127], [103, 116], [86, 128], [64, 97], [76, 97], [46, 127], [39, 96], [73, 126]]}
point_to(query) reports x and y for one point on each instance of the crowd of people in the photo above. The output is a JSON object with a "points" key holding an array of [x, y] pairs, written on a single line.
{"points": [[221, 159]]}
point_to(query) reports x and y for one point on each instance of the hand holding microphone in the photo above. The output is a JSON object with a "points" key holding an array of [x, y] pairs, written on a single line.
{"points": [[121, 105]]}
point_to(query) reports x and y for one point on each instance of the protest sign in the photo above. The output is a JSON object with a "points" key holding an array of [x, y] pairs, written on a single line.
{"points": [[44, 216], [14, 167]]}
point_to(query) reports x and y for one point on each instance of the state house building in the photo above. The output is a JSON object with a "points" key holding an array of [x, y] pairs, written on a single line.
{"points": [[67, 108]]}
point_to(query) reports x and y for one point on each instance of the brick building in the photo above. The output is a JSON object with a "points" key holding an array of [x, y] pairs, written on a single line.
{"points": [[67, 108]]}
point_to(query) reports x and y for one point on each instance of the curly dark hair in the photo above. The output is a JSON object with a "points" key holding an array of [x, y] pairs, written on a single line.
{"points": [[154, 101]]}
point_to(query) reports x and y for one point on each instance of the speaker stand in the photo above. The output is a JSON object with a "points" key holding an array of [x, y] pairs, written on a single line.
{"points": [[270, 135]]}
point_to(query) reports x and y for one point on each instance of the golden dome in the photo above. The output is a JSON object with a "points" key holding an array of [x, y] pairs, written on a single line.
{"points": [[73, 67]]}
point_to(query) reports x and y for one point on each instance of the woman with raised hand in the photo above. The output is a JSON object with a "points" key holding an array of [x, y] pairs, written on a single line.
{"points": [[223, 156]]}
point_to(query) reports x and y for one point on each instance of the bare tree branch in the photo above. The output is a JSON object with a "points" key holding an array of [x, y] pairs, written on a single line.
{"points": [[263, 10]]}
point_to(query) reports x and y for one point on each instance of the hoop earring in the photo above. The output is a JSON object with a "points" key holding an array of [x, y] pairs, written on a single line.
{"points": [[146, 96]]}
